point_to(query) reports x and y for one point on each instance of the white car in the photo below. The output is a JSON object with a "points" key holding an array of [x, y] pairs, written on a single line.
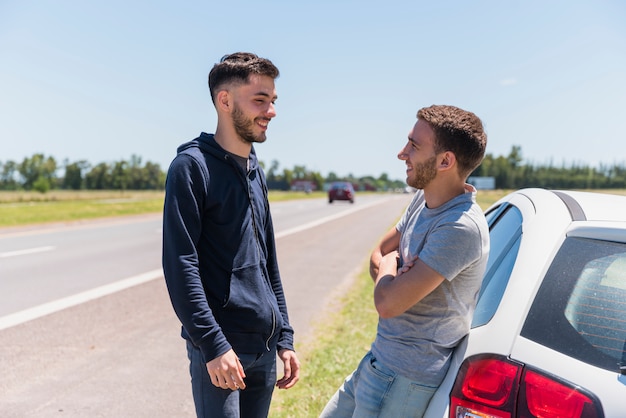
{"points": [[548, 337]]}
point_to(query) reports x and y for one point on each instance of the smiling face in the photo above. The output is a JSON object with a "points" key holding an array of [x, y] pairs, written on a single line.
{"points": [[420, 156], [253, 108]]}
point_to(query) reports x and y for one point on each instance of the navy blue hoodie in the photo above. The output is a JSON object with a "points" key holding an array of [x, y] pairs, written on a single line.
{"points": [[219, 253]]}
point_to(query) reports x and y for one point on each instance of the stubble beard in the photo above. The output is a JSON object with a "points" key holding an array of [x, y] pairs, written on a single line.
{"points": [[423, 173], [245, 127]]}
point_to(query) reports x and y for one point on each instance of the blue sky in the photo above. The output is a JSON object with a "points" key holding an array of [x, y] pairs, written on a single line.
{"points": [[101, 81]]}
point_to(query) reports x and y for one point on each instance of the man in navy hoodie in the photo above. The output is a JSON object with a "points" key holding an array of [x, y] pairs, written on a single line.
{"points": [[219, 251]]}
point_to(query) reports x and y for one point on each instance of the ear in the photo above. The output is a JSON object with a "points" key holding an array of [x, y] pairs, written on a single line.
{"points": [[448, 160], [223, 101]]}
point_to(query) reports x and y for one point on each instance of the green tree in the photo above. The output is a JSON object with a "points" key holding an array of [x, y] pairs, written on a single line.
{"points": [[288, 176], [515, 156], [135, 173], [318, 179], [99, 177], [73, 178], [39, 169], [299, 172], [153, 177], [42, 184], [332, 177], [8, 175], [271, 173], [120, 176]]}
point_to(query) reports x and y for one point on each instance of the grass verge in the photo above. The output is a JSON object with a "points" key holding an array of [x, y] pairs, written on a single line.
{"points": [[31, 208], [23, 208], [342, 338]]}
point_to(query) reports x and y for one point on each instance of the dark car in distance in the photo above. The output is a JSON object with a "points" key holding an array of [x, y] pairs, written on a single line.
{"points": [[341, 190]]}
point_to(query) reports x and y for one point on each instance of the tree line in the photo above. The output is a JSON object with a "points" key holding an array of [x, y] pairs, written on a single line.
{"points": [[42, 173], [511, 172]]}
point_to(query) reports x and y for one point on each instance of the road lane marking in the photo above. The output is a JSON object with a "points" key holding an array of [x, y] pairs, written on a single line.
{"points": [[320, 221], [67, 302], [27, 251]]}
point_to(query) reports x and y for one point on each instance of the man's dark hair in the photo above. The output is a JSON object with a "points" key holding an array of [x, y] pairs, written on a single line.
{"points": [[459, 131], [236, 68]]}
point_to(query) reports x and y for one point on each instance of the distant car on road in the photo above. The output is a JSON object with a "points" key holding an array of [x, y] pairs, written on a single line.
{"points": [[548, 336], [341, 190]]}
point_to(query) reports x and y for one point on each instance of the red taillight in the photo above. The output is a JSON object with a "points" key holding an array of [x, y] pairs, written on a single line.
{"points": [[492, 386], [490, 381], [542, 396], [485, 387]]}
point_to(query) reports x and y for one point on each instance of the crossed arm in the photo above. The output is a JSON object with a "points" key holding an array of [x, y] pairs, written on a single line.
{"points": [[396, 290]]}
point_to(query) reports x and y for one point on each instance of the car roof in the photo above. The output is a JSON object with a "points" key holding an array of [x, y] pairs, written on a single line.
{"points": [[600, 206], [586, 206]]}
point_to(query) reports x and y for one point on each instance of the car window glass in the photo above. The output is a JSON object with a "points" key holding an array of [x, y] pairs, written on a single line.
{"points": [[493, 289], [505, 229], [580, 309]]}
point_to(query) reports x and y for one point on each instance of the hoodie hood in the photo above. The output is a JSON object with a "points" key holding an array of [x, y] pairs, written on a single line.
{"points": [[206, 142]]}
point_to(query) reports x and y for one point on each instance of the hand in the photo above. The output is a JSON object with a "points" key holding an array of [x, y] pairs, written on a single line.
{"points": [[407, 265], [226, 371], [291, 366], [389, 263]]}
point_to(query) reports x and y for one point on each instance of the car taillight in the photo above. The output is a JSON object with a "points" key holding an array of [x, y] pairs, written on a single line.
{"points": [[490, 386], [544, 396], [485, 387]]}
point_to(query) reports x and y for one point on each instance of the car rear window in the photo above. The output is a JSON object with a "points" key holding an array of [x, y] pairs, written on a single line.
{"points": [[580, 309]]}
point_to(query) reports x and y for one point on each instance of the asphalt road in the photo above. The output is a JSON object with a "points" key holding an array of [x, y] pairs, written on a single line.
{"points": [[86, 326]]}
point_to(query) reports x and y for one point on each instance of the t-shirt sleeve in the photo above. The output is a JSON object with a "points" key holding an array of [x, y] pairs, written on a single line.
{"points": [[452, 246]]}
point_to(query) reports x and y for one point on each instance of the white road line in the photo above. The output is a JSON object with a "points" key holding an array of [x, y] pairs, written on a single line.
{"points": [[27, 251], [320, 221], [60, 304]]}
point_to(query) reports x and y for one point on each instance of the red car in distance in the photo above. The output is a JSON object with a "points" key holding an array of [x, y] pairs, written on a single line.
{"points": [[341, 190]]}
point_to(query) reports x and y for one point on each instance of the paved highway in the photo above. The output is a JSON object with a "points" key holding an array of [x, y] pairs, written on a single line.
{"points": [[86, 328]]}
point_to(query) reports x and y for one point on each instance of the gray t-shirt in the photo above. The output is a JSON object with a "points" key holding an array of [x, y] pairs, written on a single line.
{"points": [[452, 239]]}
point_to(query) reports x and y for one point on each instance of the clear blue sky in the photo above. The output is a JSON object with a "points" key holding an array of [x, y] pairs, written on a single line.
{"points": [[104, 80]]}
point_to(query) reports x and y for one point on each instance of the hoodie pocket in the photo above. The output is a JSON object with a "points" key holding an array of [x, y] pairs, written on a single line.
{"points": [[250, 305]]}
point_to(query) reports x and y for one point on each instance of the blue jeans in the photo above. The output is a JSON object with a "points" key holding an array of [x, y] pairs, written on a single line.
{"points": [[373, 390], [251, 402]]}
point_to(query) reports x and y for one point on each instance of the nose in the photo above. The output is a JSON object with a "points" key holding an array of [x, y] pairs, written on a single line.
{"points": [[271, 110], [402, 155]]}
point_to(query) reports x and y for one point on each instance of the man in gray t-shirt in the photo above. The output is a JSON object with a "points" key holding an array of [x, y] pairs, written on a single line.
{"points": [[428, 270]]}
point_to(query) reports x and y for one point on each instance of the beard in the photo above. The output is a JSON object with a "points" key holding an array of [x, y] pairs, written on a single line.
{"points": [[423, 173], [244, 127]]}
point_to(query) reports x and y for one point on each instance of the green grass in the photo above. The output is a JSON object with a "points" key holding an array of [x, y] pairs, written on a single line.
{"points": [[341, 339], [28, 208]]}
